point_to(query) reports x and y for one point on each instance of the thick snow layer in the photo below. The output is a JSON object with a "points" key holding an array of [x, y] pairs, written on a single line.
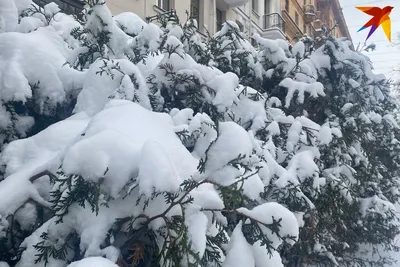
{"points": [[23, 5], [44, 146], [273, 50], [113, 141], [16, 190], [8, 16], [300, 167], [232, 142], [239, 251], [130, 23], [314, 89], [29, 253], [151, 62], [253, 187], [375, 205], [224, 85], [156, 171], [265, 213], [51, 9], [263, 258], [26, 216], [93, 262], [99, 20], [325, 134], [251, 112], [298, 49], [27, 157], [99, 88], [45, 50], [63, 24], [197, 223], [29, 24]]}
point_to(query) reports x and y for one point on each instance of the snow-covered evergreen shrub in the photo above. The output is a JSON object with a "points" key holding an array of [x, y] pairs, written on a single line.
{"points": [[184, 152], [357, 148], [36, 89]]}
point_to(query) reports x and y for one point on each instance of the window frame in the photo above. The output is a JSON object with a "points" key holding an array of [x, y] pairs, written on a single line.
{"points": [[254, 5], [219, 15], [164, 4]]}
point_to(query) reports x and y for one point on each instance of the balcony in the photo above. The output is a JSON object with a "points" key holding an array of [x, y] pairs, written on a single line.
{"points": [[309, 13], [273, 26], [227, 4], [317, 26], [71, 7]]}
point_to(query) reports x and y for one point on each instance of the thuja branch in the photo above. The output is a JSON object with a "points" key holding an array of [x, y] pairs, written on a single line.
{"points": [[238, 213], [184, 196], [41, 174]]}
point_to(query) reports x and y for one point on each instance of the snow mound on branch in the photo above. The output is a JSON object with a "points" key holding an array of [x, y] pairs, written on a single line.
{"points": [[64, 24], [93, 262], [219, 89], [26, 157], [16, 190], [42, 147], [96, 21], [239, 251], [264, 259], [232, 142], [314, 89], [8, 16], [45, 50], [22, 5], [156, 170], [250, 111], [298, 49], [130, 23], [114, 140], [266, 213], [30, 252], [197, 223], [115, 82], [29, 24]]}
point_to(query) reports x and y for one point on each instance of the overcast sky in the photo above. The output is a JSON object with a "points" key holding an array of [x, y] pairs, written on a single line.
{"points": [[386, 57]]}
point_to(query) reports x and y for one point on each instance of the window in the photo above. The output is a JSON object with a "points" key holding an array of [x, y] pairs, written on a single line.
{"points": [[304, 29], [296, 18], [164, 4], [194, 10], [219, 19], [267, 9], [310, 31], [287, 5], [305, 2], [254, 5]]}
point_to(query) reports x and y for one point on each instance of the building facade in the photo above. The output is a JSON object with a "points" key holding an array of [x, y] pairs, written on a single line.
{"points": [[273, 19]]}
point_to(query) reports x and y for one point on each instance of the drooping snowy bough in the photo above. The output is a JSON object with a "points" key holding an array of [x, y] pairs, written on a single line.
{"points": [[147, 146]]}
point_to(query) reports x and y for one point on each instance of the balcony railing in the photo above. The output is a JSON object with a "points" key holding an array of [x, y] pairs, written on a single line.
{"points": [[309, 13], [309, 9], [71, 7], [273, 20]]}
